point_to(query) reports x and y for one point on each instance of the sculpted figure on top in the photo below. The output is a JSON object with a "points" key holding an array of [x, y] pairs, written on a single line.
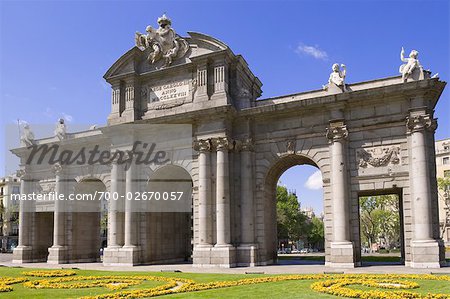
{"points": [[412, 64], [162, 43], [337, 77]]}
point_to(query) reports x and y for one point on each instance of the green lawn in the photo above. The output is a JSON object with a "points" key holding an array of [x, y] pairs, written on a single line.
{"points": [[282, 289]]}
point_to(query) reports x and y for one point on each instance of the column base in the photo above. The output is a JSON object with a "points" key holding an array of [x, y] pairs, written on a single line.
{"points": [[201, 256], [223, 256], [341, 255], [246, 255], [57, 255], [111, 255], [124, 256], [22, 254], [427, 254]]}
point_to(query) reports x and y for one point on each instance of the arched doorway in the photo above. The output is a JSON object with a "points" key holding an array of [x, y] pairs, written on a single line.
{"points": [[168, 216], [272, 243], [88, 221], [300, 226]]}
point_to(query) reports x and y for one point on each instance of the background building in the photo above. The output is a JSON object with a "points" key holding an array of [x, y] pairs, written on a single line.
{"points": [[443, 171], [9, 211]]}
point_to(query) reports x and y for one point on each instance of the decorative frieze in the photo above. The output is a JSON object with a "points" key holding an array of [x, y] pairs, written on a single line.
{"points": [[378, 156]]}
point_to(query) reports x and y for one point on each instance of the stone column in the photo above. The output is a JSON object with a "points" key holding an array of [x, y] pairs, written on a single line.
{"points": [[130, 214], [57, 253], [23, 252], [247, 208], [130, 248], [425, 249], [247, 247], [204, 193], [222, 193], [341, 247], [113, 219]]}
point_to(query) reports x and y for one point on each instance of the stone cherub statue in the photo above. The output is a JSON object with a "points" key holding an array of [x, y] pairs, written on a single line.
{"points": [[27, 137], [337, 77], [162, 42], [60, 130], [411, 66]]}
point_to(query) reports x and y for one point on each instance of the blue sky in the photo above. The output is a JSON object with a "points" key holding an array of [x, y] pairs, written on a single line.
{"points": [[53, 54]]}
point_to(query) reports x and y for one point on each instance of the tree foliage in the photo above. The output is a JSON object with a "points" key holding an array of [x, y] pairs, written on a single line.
{"points": [[293, 224], [380, 218]]}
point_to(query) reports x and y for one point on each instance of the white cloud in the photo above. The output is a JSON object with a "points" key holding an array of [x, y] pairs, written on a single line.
{"points": [[313, 51], [314, 182], [67, 117]]}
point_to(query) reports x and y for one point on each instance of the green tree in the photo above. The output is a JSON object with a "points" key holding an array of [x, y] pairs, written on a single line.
{"points": [[316, 233], [291, 222], [379, 217]]}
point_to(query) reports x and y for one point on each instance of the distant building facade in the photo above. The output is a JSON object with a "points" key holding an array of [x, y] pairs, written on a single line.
{"points": [[9, 228], [443, 171]]}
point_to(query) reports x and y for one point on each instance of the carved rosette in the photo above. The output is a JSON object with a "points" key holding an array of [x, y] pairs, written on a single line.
{"points": [[202, 145], [372, 157], [416, 123], [337, 131], [221, 143]]}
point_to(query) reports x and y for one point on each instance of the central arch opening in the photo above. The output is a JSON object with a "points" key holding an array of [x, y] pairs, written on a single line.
{"points": [[295, 201], [169, 229]]}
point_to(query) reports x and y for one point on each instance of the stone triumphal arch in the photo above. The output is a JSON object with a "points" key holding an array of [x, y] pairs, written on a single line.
{"points": [[366, 138]]}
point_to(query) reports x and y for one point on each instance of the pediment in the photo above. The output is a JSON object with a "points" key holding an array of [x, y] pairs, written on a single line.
{"points": [[136, 61]]}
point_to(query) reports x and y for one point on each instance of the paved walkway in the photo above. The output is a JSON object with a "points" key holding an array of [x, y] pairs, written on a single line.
{"points": [[6, 260]]}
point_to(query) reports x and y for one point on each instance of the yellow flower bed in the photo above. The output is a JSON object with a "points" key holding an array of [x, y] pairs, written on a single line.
{"points": [[333, 284], [6, 281], [50, 273], [387, 286]]}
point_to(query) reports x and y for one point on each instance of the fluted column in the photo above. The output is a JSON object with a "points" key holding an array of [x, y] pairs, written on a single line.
{"points": [[115, 238], [130, 214], [247, 208], [58, 215], [222, 146], [417, 126], [23, 252], [204, 192], [24, 210], [336, 134]]}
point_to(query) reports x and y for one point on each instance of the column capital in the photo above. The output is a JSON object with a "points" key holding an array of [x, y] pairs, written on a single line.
{"points": [[337, 130], [420, 122], [23, 173], [244, 145], [202, 145], [222, 143]]}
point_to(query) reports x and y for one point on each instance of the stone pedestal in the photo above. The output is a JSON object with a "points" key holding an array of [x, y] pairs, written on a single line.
{"points": [[111, 255], [202, 256], [22, 254], [341, 255], [128, 256], [427, 254], [223, 256], [247, 255], [57, 255]]}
